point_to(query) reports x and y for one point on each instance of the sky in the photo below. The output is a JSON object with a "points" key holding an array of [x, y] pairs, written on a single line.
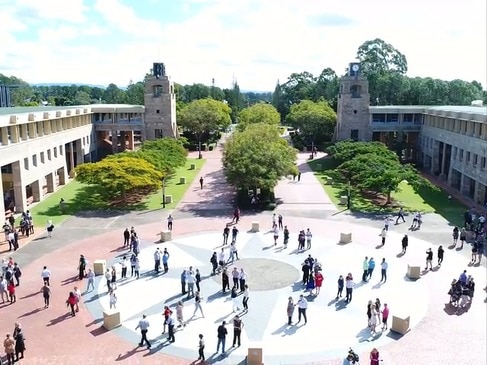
{"points": [[254, 42]]}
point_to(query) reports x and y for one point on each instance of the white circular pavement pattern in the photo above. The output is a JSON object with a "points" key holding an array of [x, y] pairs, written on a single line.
{"points": [[329, 328]]}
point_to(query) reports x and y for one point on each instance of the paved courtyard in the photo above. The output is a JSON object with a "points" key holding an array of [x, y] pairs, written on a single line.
{"points": [[438, 333]]}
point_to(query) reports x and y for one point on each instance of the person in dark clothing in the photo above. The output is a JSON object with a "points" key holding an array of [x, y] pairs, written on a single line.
{"points": [[404, 243], [237, 330], [441, 252], [19, 344], [226, 233], [306, 270], [81, 267], [126, 238], [225, 281], [214, 263]]}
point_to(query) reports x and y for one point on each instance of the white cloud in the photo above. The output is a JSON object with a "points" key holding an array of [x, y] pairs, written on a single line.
{"points": [[257, 42]]}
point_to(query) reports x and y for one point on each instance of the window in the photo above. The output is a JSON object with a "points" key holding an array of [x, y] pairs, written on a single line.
{"points": [[418, 119], [461, 155], [49, 155], [468, 157], [378, 118], [356, 90], [42, 157], [482, 163], [26, 163], [392, 118], [455, 151], [408, 118], [157, 111], [157, 90], [354, 134], [475, 159], [55, 152], [355, 112], [34, 160], [61, 149]]}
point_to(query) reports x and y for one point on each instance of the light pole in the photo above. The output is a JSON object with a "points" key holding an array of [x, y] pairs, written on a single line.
{"points": [[163, 192], [200, 155], [349, 194]]}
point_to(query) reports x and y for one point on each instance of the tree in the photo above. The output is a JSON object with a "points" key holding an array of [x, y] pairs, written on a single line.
{"points": [[315, 121], [113, 95], [120, 175], [204, 116], [258, 113], [258, 157], [82, 98], [134, 94], [172, 150], [343, 151], [377, 57], [235, 100]]}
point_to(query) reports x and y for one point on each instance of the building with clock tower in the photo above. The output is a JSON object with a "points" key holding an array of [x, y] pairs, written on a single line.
{"points": [[353, 106]]}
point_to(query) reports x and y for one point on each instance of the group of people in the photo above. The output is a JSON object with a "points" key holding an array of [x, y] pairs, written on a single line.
{"points": [[9, 280], [12, 233], [462, 290], [14, 345], [377, 314]]}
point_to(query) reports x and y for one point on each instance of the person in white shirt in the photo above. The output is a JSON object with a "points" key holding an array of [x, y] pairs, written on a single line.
{"points": [[157, 260], [77, 293], [308, 236], [349, 284], [190, 279], [383, 268], [302, 305], [383, 235], [113, 299], [124, 262], [91, 280], [144, 326], [276, 234], [233, 252], [242, 277], [221, 259], [169, 222], [46, 275]]}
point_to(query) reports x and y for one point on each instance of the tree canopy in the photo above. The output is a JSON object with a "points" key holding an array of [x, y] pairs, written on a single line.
{"points": [[258, 157], [315, 120], [119, 175], [258, 113]]}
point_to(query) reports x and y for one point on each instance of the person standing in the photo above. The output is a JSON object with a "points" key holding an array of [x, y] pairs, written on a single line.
{"points": [[91, 280], [306, 272], [113, 299], [165, 260], [197, 277], [170, 328], [201, 348], [365, 267], [113, 280], [349, 284], [190, 279], [302, 307], [222, 335], [157, 260], [179, 314], [385, 316], [46, 275], [214, 263], [226, 233], [318, 281], [46, 294], [108, 278], [286, 236], [455, 235], [235, 276], [3, 289], [404, 244], [183, 282], [11, 291], [299, 176], [237, 330], [170, 219], [234, 234], [201, 182], [341, 284], [17, 273], [221, 259], [81, 267], [234, 296], [374, 357], [197, 304], [144, 327], [9, 347], [225, 280], [441, 252], [290, 310], [71, 302], [463, 236], [245, 299], [242, 278], [124, 263], [383, 270], [279, 221], [126, 238], [49, 228], [429, 259], [371, 268], [308, 236], [236, 215], [233, 252], [383, 235], [19, 344]]}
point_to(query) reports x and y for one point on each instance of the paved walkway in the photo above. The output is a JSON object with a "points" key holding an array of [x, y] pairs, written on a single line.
{"points": [[273, 276]]}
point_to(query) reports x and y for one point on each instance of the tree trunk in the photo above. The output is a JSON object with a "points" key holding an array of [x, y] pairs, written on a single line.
{"points": [[388, 198]]}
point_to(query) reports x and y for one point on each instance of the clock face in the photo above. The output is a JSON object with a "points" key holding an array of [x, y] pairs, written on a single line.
{"points": [[355, 68]]}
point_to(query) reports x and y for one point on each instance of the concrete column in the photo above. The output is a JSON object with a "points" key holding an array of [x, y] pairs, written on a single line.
{"points": [[63, 175], [32, 130], [80, 154], [14, 130], [443, 162], [47, 127], [462, 183], [115, 141], [36, 190], [50, 182], [19, 188], [435, 163], [130, 136], [71, 156], [23, 132], [123, 141], [2, 206], [5, 140]]}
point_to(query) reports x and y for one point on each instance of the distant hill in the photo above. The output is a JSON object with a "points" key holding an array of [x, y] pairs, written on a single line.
{"points": [[68, 84]]}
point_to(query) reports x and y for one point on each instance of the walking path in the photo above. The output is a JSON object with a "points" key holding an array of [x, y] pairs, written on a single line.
{"points": [[274, 275]]}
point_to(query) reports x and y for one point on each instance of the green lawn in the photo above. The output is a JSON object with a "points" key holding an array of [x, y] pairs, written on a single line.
{"points": [[426, 200], [81, 197]]}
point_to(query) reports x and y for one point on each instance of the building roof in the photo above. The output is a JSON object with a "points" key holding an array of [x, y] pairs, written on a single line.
{"points": [[50, 108], [464, 109]]}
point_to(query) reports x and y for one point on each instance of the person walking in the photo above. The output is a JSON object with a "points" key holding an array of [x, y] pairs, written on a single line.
{"points": [[201, 182], [245, 299], [197, 304], [46, 275], [222, 335], [290, 310], [233, 252], [201, 348], [170, 219], [237, 330], [9, 347], [286, 236], [236, 215], [179, 314], [404, 244], [49, 228], [71, 302], [46, 294], [383, 270], [302, 307], [441, 252], [429, 259], [170, 328], [365, 267], [383, 235], [341, 284], [400, 215], [144, 327], [234, 234], [349, 284]]}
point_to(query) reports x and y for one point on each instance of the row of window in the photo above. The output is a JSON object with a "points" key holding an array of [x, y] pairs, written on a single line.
{"points": [[43, 155], [468, 157], [396, 118], [465, 127]]}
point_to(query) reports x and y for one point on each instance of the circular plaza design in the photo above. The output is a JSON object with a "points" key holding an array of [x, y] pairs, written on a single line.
{"points": [[274, 275]]}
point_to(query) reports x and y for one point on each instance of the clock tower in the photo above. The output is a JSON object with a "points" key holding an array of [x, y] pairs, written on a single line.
{"points": [[353, 120]]}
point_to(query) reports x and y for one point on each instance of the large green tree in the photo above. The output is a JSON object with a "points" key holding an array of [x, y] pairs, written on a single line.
{"points": [[315, 120], [119, 176], [258, 157], [258, 113], [204, 116], [134, 94]]}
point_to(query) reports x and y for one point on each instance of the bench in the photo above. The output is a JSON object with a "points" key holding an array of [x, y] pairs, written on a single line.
{"points": [[400, 324], [99, 267], [111, 319], [165, 236], [255, 227], [254, 356], [414, 272], [345, 238]]}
